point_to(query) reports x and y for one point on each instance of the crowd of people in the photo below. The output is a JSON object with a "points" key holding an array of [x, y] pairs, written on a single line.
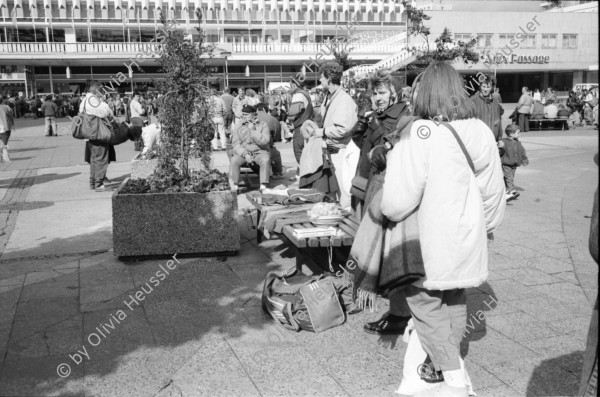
{"points": [[581, 107], [436, 172]]}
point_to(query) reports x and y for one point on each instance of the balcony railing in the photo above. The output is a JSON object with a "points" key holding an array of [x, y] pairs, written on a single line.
{"points": [[117, 49]]}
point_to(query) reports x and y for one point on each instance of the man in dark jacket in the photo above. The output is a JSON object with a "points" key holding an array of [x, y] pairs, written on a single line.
{"points": [[488, 108], [50, 110], [300, 110]]}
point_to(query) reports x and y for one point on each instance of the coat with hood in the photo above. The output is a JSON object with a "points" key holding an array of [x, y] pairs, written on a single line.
{"points": [[428, 171]]}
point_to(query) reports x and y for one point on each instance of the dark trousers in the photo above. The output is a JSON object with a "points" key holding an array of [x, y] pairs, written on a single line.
{"points": [[4, 137], [98, 163], [509, 176], [276, 164], [298, 146], [524, 122]]}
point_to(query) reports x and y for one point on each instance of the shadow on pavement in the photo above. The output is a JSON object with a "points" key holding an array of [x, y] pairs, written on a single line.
{"points": [[548, 378], [38, 179], [30, 149], [146, 328]]}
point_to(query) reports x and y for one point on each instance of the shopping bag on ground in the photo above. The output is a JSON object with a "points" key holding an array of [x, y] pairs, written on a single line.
{"points": [[413, 358]]}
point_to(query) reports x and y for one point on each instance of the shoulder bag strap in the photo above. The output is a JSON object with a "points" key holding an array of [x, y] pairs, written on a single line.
{"points": [[461, 144]]}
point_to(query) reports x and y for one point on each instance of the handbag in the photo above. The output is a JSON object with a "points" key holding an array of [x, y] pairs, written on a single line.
{"points": [[90, 127], [359, 187]]}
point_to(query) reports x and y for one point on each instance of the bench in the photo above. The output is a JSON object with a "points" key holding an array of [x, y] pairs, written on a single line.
{"points": [[548, 124]]}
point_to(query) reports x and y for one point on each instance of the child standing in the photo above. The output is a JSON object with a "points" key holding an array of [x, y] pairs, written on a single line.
{"points": [[513, 155]]}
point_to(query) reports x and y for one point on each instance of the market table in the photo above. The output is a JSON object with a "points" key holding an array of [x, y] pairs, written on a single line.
{"points": [[281, 220]]}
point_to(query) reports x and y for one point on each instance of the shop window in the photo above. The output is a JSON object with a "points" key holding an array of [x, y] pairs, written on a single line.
{"points": [[484, 40], [464, 37], [147, 35], [548, 41], [110, 35], [529, 41], [569, 41], [504, 40]]}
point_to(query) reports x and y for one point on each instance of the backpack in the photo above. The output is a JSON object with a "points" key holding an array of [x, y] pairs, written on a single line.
{"points": [[297, 301]]}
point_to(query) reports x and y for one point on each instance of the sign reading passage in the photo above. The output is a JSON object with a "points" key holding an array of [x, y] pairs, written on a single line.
{"points": [[514, 58]]}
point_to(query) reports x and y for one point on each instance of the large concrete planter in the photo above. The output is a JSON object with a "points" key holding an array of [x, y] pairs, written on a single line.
{"points": [[141, 169], [175, 223]]}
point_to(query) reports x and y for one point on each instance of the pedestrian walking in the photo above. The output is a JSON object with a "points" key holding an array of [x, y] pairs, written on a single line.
{"points": [[218, 110], [7, 125], [513, 155], [488, 108], [227, 99], [50, 110], [524, 109], [459, 201]]}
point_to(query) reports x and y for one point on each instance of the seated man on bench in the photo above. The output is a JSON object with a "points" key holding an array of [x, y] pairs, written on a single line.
{"points": [[250, 142]]}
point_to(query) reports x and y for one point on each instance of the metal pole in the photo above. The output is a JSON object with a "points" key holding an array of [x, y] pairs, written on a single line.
{"points": [[26, 90], [226, 73], [51, 83]]}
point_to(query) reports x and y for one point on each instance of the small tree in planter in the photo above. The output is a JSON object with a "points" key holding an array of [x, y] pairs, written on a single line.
{"points": [[178, 210], [185, 117]]}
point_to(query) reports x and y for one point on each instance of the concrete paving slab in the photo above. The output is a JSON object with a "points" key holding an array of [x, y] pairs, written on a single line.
{"points": [[547, 309], [564, 292], [37, 314], [209, 372], [65, 288], [64, 228], [520, 327], [38, 377], [529, 276], [526, 375], [6, 179], [57, 339], [494, 347]]}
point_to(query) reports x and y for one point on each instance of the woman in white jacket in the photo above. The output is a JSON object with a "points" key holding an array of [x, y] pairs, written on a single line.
{"points": [[457, 209]]}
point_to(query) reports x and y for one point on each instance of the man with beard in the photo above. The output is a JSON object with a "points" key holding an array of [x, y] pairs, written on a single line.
{"points": [[488, 108]]}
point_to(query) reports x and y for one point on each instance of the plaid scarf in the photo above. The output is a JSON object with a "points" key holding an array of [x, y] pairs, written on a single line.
{"points": [[387, 254]]}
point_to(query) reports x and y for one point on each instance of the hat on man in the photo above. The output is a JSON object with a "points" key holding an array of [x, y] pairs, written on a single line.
{"points": [[248, 109]]}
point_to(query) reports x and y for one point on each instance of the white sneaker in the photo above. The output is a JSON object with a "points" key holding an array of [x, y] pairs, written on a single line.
{"points": [[442, 389]]}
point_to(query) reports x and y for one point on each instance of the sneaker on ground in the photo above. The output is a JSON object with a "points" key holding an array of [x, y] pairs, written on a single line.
{"points": [[102, 188]]}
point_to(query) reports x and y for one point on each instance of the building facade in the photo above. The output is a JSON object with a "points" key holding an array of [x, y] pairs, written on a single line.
{"points": [[56, 45]]}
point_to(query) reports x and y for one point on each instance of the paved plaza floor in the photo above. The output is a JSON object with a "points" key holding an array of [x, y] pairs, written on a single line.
{"points": [[69, 327]]}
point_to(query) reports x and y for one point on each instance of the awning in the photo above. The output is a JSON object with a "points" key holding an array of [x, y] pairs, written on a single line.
{"points": [[275, 85]]}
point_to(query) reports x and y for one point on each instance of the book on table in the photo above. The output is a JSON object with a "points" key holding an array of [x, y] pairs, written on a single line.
{"points": [[315, 232]]}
